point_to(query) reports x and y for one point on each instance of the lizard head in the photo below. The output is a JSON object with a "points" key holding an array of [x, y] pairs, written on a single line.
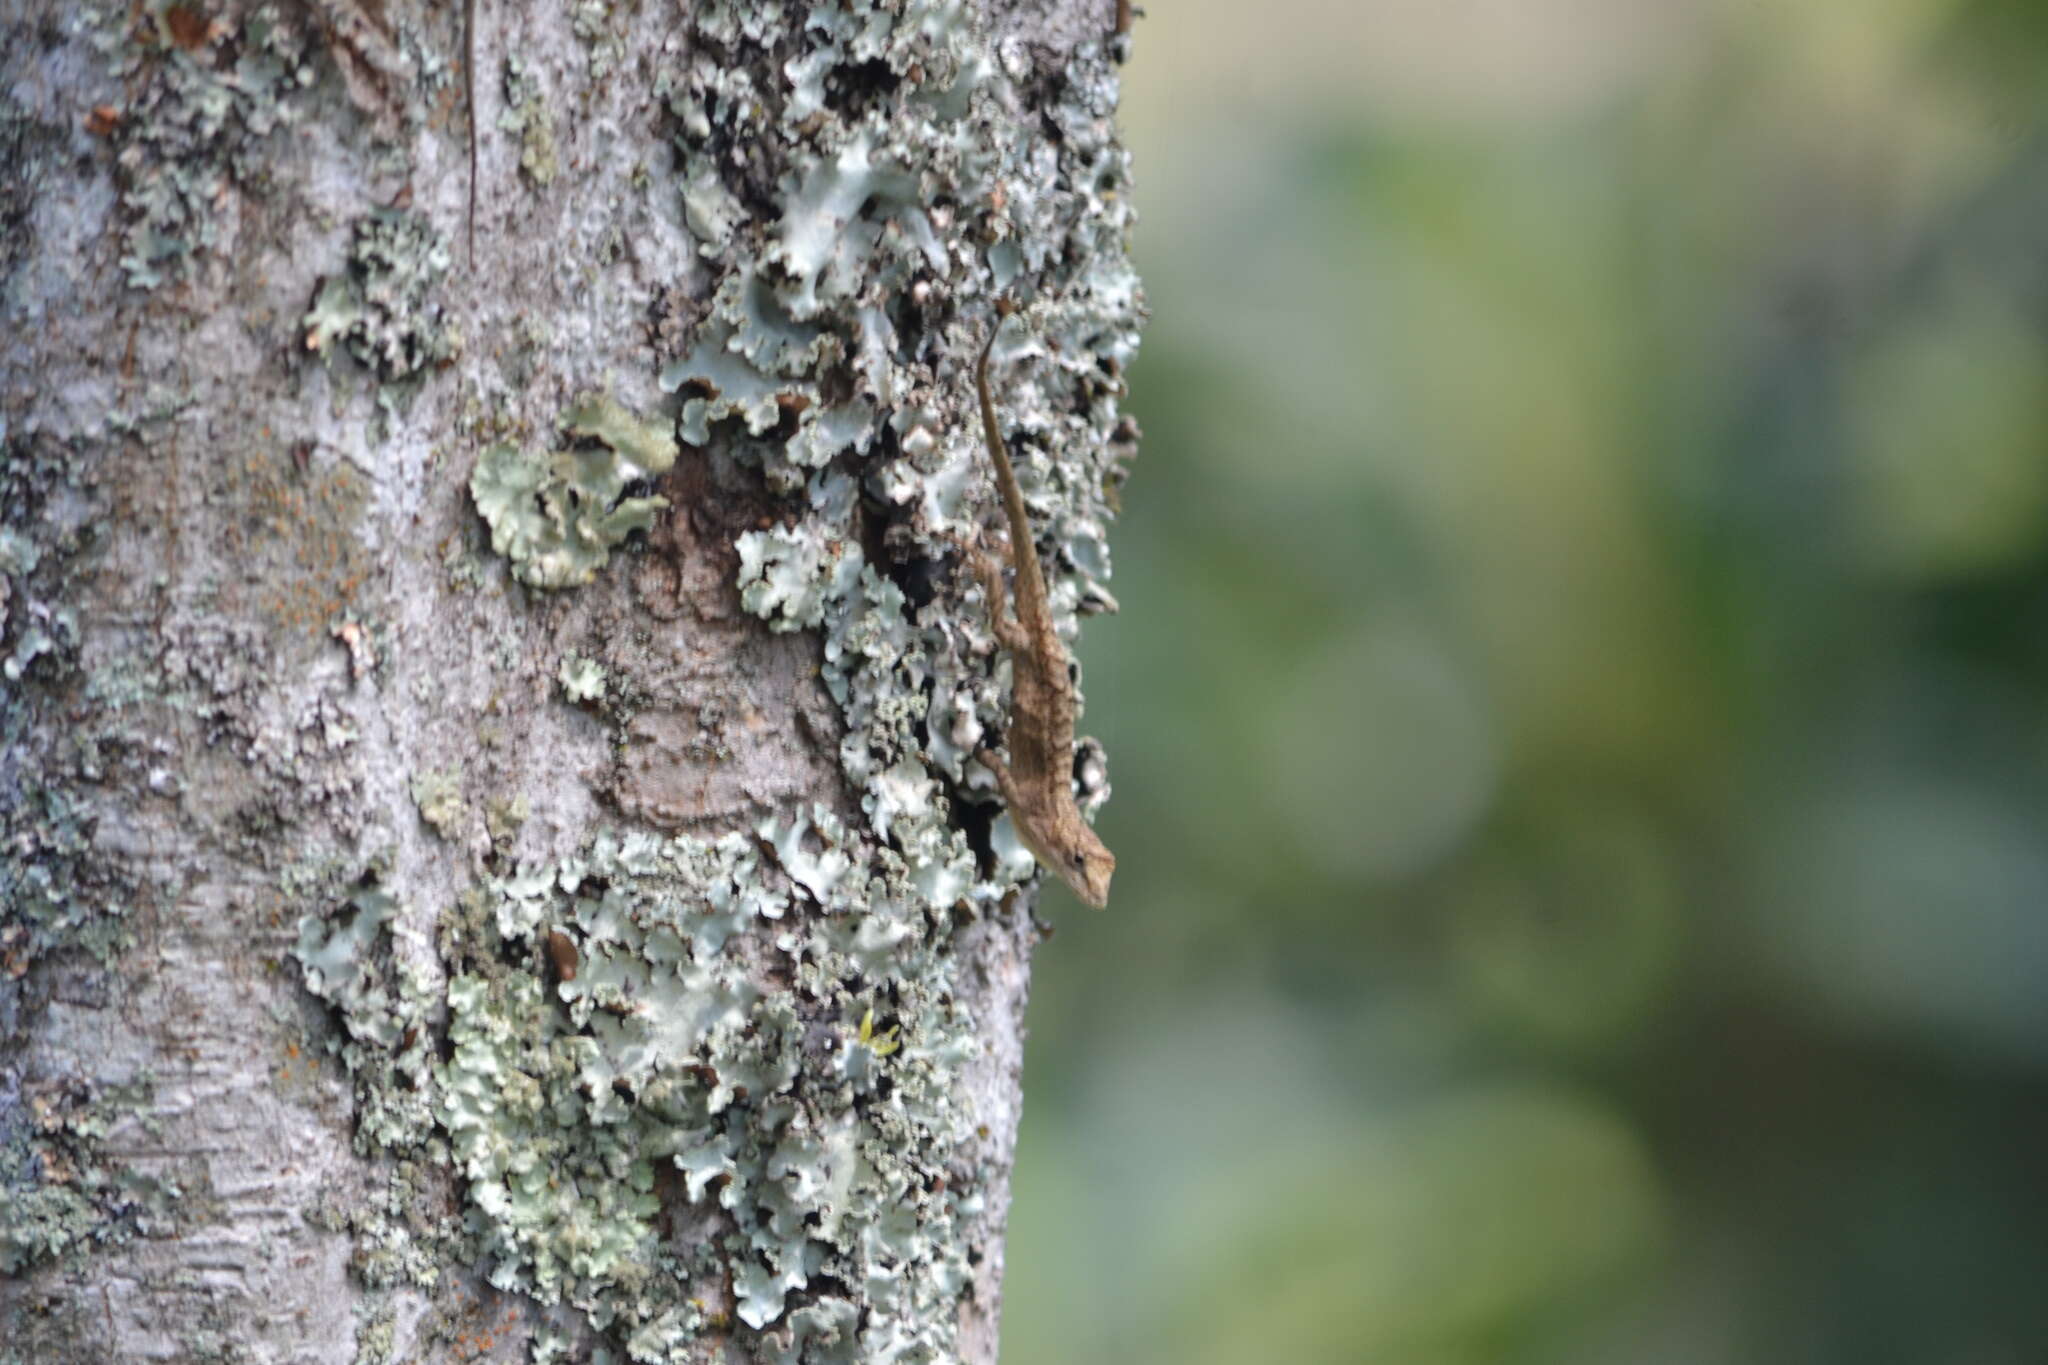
{"points": [[1085, 865]]}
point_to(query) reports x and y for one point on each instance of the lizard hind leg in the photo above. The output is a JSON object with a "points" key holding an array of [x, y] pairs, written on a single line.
{"points": [[1009, 632]]}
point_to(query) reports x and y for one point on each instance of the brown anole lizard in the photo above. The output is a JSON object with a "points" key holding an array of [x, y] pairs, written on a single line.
{"points": [[1037, 782]]}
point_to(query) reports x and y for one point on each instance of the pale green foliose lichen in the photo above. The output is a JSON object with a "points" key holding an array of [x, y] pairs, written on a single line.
{"points": [[648, 443], [383, 1000], [376, 1336], [582, 679], [335, 954], [192, 130], [595, 27], [59, 1193], [503, 816], [788, 578], [383, 307], [40, 629], [648, 1042], [391, 1248], [558, 515], [438, 795], [45, 632], [58, 749], [527, 116]]}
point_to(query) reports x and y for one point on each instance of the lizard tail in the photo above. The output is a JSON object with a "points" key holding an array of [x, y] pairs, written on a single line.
{"points": [[1023, 548]]}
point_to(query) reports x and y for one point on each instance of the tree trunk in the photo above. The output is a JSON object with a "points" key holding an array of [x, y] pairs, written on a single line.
{"points": [[494, 863]]}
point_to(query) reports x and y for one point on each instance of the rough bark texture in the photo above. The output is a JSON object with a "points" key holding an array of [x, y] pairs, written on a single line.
{"points": [[493, 863]]}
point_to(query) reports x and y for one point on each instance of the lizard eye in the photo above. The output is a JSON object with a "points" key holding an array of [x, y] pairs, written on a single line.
{"points": [[1080, 861]]}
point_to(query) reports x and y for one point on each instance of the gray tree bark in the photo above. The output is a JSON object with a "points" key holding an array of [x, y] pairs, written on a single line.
{"points": [[494, 866]]}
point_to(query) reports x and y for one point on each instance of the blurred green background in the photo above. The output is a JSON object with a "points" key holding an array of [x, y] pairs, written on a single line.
{"points": [[1579, 717]]}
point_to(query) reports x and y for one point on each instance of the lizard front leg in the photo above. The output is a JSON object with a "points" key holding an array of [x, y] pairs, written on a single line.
{"points": [[1011, 635], [1006, 783]]}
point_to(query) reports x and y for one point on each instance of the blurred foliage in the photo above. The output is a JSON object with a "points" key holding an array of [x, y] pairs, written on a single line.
{"points": [[1579, 715]]}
